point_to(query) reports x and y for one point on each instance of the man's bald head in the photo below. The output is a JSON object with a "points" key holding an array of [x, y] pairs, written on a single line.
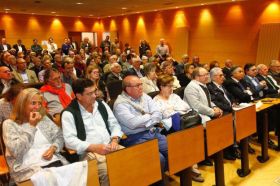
{"points": [[132, 85]]}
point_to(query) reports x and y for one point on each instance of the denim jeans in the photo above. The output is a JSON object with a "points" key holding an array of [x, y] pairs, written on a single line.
{"points": [[146, 136]]}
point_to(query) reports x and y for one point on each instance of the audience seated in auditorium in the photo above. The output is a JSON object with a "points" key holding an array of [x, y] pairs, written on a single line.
{"points": [[135, 69], [138, 116], [105, 43], [68, 75], [257, 87], [19, 47], [24, 75], [196, 61], [226, 69], [224, 100], [46, 65], [32, 140], [171, 106], [186, 77], [51, 46], [115, 74], [7, 101], [150, 79], [274, 70], [238, 87], [37, 66], [198, 97], [93, 73], [180, 67], [162, 50], [6, 79], [144, 46], [168, 69], [4, 46], [57, 95], [273, 89], [36, 47], [89, 126]]}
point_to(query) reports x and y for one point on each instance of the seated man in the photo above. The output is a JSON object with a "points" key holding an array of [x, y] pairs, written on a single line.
{"points": [[90, 126], [138, 115], [115, 73], [57, 95], [198, 96], [274, 69], [6, 79], [135, 69], [24, 75]]}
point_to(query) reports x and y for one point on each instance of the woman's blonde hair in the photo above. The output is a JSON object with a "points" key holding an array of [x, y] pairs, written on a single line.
{"points": [[18, 113]]}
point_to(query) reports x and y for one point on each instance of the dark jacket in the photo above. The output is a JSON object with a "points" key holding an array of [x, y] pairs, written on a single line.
{"points": [[237, 91], [131, 71], [217, 97], [270, 91]]}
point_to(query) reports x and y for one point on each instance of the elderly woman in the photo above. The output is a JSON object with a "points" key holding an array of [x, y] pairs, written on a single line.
{"points": [[150, 79], [170, 104], [168, 69], [32, 139], [93, 73]]}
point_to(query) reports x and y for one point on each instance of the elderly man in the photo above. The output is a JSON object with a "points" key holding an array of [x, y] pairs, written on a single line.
{"points": [[238, 87], [139, 115], [115, 73], [135, 69], [6, 79], [226, 69], [273, 89], [89, 126], [162, 49], [112, 59], [4, 46], [274, 70], [57, 95], [198, 96], [24, 75]]}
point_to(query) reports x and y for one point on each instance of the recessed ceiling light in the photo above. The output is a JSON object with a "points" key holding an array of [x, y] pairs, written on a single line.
{"points": [[124, 8], [32, 13], [155, 10], [7, 9], [79, 3], [53, 12], [202, 4], [176, 7], [90, 15], [233, 0]]}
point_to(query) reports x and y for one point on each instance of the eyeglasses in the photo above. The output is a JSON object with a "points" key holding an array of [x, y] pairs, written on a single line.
{"points": [[137, 85], [220, 75], [91, 93]]}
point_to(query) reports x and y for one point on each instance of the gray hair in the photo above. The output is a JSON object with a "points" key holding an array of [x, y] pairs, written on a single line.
{"points": [[214, 71], [273, 62], [260, 66], [113, 65]]}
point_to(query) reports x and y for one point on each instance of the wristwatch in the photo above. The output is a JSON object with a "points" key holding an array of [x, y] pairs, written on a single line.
{"points": [[116, 138]]}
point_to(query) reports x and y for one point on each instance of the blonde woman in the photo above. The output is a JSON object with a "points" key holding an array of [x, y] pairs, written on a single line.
{"points": [[32, 140]]}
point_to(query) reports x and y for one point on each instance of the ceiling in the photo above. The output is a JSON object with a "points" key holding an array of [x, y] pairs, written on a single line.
{"points": [[97, 8]]}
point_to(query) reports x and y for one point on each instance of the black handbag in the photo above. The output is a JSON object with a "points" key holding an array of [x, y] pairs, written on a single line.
{"points": [[190, 119]]}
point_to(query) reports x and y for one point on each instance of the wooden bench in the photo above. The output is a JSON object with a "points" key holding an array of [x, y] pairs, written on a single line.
{"points": [[92, 178], [135, 165], [185, 148], [219, 135], [245, 122]]}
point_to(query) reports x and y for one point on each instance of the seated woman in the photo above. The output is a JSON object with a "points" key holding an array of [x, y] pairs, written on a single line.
{"points": [[93, 73], [171, 104], [32, 140], [150, 79], [186, 77], [7, 101]]}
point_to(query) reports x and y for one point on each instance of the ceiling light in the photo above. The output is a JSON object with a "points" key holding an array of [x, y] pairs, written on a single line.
{"points": [[176, 7], [90, 15], [7, 9], [53, 12], [124, 8], [32, 13], [202, 4], [79, 3]]}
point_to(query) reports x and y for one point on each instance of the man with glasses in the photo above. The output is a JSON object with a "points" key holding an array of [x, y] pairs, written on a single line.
{"points": [[139, 117], [57, 95], [89, 126], [24, 75], [274, 70], [6, 79]]}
